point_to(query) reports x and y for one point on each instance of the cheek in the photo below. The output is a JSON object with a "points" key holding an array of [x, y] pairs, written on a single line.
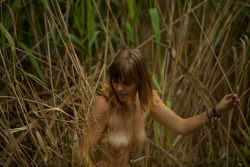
{"points": [[133, 89]]}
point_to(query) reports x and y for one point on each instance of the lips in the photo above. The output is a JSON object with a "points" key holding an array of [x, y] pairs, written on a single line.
{"points": [[121, 95]]}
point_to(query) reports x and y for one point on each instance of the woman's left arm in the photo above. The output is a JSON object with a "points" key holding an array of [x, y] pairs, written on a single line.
{"points": [[170, 120]]}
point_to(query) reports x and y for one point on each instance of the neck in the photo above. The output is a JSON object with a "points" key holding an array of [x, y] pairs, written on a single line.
{"points": [[130, 105]]}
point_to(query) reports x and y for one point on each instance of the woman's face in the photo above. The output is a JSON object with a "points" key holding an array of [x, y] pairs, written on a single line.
{"points": [[125, 90]]}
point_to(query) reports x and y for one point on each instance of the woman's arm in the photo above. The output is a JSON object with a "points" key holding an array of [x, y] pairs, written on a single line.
{"points": [[96, 123], [170, 120]]}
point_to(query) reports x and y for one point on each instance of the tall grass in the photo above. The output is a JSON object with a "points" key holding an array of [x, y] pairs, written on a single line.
{"points": [[54, 54]]}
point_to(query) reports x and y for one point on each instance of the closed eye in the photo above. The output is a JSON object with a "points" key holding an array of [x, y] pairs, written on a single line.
{"points": [[127, 83], [115, 81]]}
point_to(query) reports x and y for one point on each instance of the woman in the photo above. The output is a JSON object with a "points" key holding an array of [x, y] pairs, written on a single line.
{"points": [[116, 122]]}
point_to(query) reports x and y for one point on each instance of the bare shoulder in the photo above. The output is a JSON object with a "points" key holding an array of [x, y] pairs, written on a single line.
{"points": [[101, 106], [101, 102], [157, 102], [156, 99]]}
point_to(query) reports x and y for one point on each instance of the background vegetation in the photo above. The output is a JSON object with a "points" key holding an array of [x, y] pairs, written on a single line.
{"points": [[54, 53]]}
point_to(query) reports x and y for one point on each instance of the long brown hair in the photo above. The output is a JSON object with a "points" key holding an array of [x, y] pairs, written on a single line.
{"points": [[131, 65]]}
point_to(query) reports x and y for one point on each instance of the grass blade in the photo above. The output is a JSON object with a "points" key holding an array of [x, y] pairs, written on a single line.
{"points": [[35, 64], [78, 45], [156, 27]]}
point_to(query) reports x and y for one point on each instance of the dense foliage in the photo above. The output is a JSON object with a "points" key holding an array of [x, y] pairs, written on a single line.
{"points": [[55, 53]]}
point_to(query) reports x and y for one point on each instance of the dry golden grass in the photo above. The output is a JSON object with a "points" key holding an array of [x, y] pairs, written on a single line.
{"points": [[54, 54]]}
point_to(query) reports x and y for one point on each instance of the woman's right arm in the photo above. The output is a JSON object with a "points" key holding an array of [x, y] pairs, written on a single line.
{"points": [[96, 122]]}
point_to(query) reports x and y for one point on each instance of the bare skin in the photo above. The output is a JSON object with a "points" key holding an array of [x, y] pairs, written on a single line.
{"points": [[126, 125]]}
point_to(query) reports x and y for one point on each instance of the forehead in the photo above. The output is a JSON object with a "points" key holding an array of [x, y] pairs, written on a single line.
{"points": [[124, 68]]}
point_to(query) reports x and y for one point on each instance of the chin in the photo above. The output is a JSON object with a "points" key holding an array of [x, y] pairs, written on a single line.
{"points": [[122, 99]]}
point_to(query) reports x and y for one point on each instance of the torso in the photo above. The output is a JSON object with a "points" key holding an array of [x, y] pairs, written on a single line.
{"points": [[119, 141]]}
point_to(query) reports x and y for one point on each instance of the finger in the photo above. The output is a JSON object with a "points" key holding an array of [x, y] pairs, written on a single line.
{"points": [[235, 104], [229, 96], [234, 96], [236, 100], [232, 102]]}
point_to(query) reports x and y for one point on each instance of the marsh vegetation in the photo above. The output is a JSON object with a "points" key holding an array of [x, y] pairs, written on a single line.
{"points": [[55, 53]]}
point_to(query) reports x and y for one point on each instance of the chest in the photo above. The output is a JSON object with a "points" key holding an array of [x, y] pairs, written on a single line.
{"points": [[126, 128]]}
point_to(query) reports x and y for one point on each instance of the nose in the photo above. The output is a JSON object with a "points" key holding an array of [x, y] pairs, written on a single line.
{"points": [[119, 87]]}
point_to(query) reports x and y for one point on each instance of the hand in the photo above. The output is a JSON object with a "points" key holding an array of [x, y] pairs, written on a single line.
{"points": [[227, 103]]}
